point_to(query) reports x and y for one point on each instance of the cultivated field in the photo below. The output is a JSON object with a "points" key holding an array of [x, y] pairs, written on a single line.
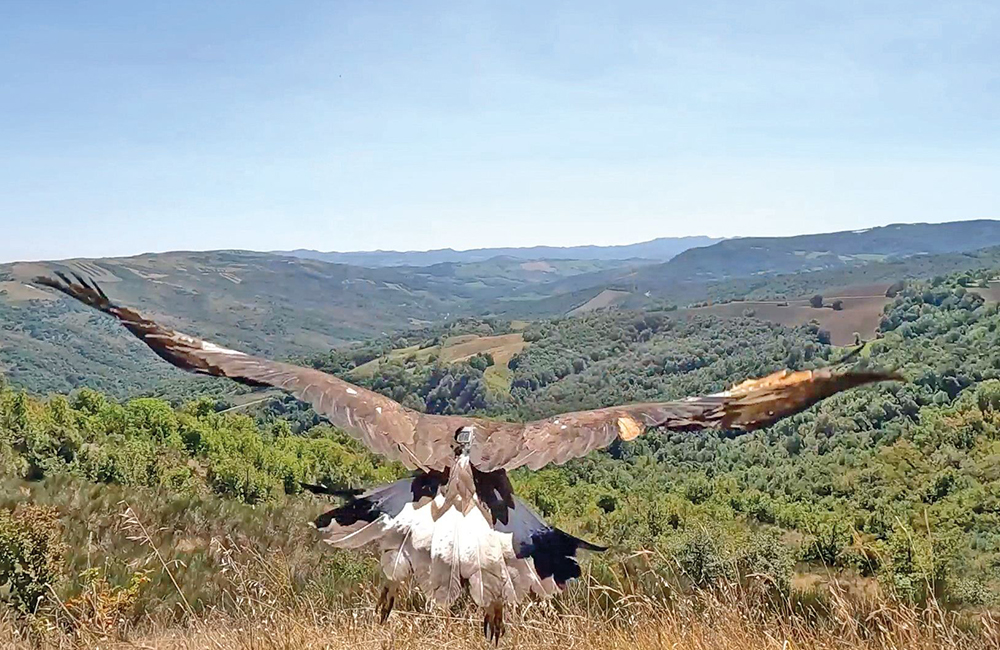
{"points": [[861, 313], [460, 348], [603, 300], [990, 293]]}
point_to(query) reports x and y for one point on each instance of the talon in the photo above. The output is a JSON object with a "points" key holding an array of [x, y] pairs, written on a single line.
{"points": [[386, 600], [493, 627]]}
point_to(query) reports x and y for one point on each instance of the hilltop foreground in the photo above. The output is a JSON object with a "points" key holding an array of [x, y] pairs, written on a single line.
{"points": [[868, 521], [709, 622]]}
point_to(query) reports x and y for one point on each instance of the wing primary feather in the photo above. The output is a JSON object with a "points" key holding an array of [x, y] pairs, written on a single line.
{"points": [[354, 409], [750, 405]]}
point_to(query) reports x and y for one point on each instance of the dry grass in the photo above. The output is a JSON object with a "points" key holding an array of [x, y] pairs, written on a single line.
{"points": [[726, 620], [264, 607], [265, 612], [14, 291], [603, 300]]}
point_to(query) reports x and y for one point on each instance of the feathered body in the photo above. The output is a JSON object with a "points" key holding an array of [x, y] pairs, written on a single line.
{"points": [[460, 529]]}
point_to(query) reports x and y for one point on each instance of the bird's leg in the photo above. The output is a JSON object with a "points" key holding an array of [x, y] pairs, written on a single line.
{"points": [[386, 600], [493, 627]]}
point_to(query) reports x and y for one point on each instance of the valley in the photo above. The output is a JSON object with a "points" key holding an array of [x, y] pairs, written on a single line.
{"points": [[296, 306]]}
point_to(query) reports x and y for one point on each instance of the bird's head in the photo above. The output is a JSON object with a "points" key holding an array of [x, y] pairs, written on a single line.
{"points": [[463, 440]]}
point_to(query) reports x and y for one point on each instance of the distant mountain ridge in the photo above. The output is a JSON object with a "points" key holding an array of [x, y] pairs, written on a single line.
{"points": [[697, 273], [657, 250], [747, 256]]}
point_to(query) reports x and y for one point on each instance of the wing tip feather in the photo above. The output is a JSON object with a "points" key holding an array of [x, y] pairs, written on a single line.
{"points": [[79, 288]]}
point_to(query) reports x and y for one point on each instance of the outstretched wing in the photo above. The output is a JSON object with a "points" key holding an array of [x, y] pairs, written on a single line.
{"points": [[747, 406], [416, 439]]}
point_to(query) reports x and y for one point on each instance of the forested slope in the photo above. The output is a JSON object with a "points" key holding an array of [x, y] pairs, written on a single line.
{"points": [[283, 306], [894, 484], [257, 302]]}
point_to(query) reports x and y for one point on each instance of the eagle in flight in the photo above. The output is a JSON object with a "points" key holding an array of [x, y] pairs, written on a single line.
{"points": [[456, 524]]}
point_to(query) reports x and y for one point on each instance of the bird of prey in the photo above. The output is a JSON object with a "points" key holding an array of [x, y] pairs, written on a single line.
{"points": [[456, 524]]}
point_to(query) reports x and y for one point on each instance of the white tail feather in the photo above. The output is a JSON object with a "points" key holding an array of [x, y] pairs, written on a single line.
{"points": [[445, 577], [421, 523], [481, 559]]}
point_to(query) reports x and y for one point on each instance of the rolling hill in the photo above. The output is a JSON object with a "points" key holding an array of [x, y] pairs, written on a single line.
{"points": [[259, 302], [773, 268], [772, 255], [287, 306]]}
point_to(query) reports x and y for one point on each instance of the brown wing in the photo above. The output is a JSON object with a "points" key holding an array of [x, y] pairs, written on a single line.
{"points": [[750, 405], [416, 439]]}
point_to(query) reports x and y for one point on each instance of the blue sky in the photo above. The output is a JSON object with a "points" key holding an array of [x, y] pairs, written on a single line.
{"points": [[149, 126]]}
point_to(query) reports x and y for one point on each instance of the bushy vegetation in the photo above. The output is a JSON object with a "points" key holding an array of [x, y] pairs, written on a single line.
{"points": [[146, 443], [31, 551], [893, 488]]}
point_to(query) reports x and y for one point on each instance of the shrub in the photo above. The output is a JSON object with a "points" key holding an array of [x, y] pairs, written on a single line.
{"points": [[31, 552], [988, 395], [234, 477], [700, 557], [828, 545], [913, 572], [102, 605], [697, 490], [128, 462], [764, 559], [481, 361]]}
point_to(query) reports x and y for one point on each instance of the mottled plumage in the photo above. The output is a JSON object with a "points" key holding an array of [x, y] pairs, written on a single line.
{"points": [[456, 524]]}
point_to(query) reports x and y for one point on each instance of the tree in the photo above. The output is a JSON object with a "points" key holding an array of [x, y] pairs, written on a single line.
{"points": [[481, 361], [837, 305], [816, 301]]}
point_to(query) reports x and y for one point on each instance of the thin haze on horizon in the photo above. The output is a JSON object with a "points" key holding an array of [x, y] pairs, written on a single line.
{"points": [[132, 127]]}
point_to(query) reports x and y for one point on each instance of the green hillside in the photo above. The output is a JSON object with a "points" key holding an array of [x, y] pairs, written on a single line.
{"points": [[257, 302], [285, 307], [777, 267], [756, 255], [891, 488]]}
